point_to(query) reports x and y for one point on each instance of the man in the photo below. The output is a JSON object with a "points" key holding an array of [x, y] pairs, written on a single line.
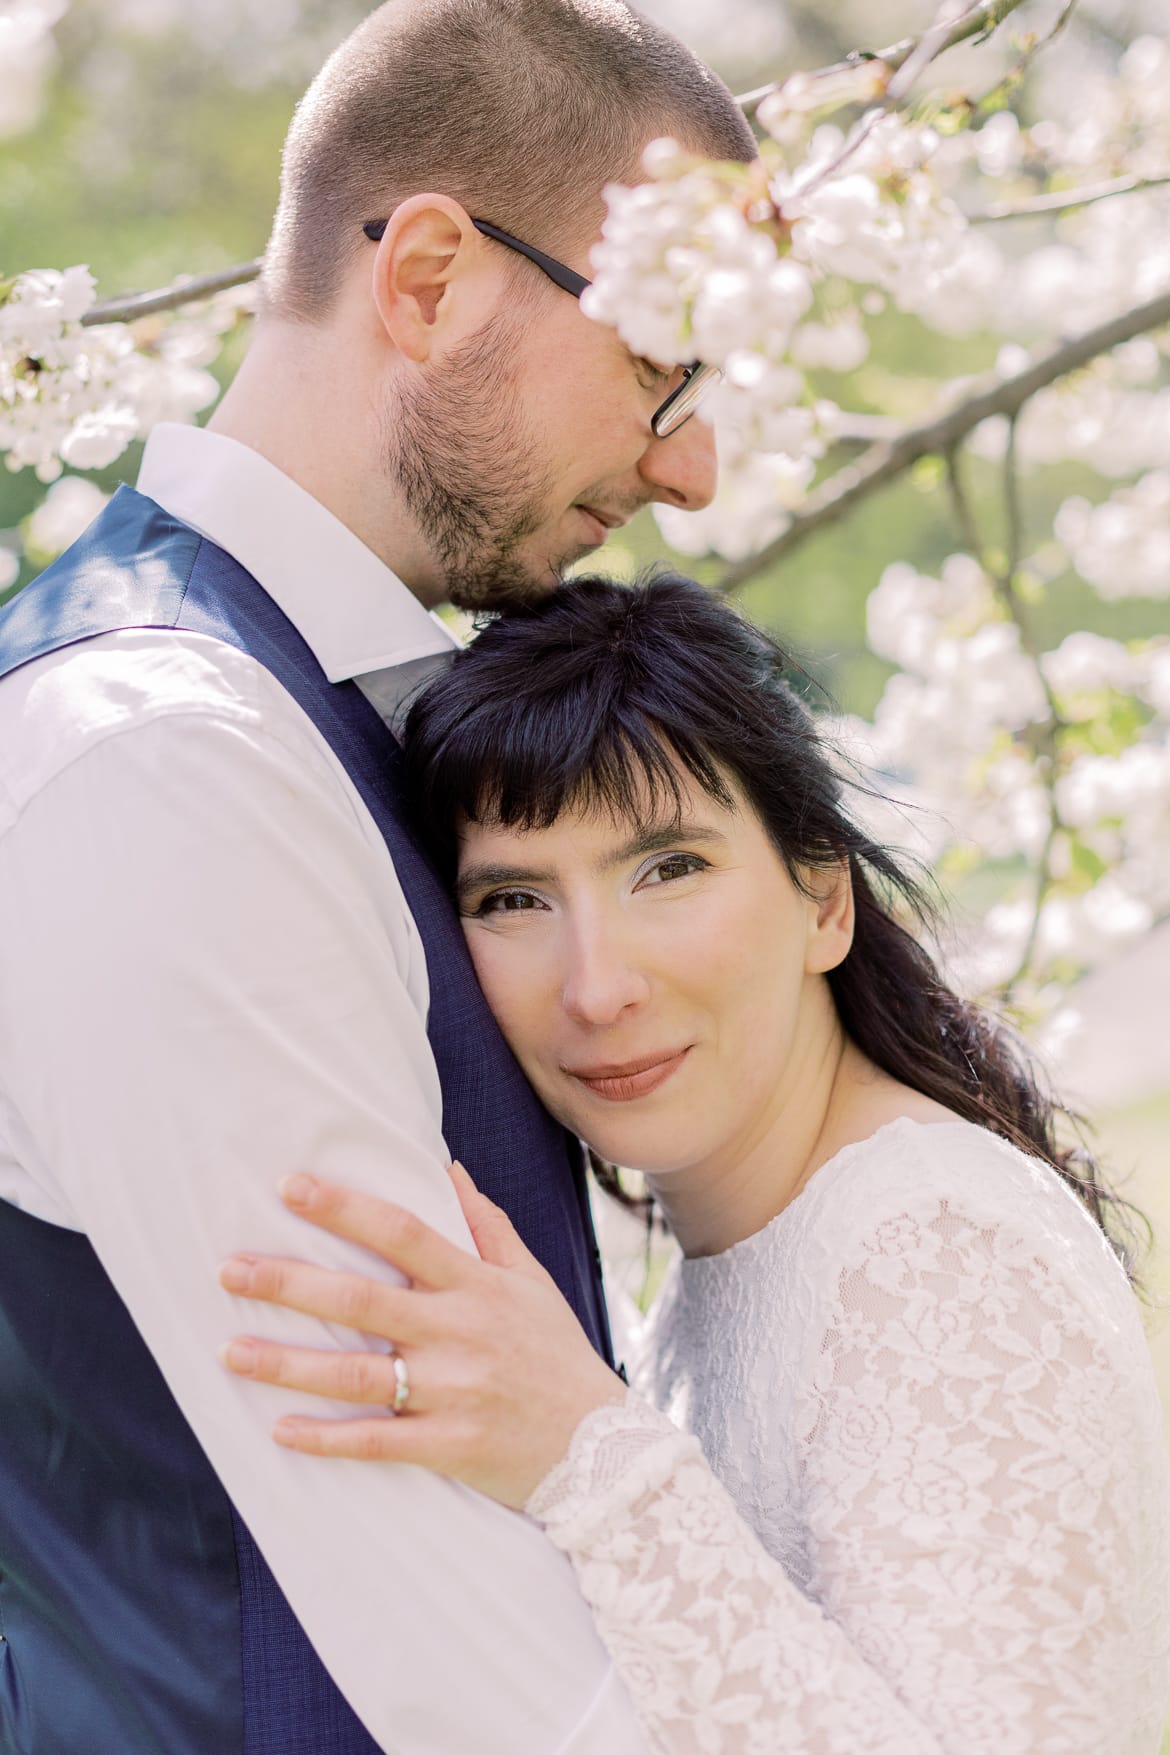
{"points": [[222, 957]]}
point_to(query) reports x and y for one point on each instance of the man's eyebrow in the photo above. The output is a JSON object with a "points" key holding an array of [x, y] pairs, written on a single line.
{"points": [[651, 839]]}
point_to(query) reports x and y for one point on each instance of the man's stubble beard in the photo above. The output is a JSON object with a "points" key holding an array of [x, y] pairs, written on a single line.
{"points": [[469, 469]]}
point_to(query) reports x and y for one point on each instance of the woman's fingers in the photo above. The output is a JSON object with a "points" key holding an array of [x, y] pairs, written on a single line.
{"points": [[363, 1377], [495, 1235], [370, 1306], [367, 1440], [394, 1233]]}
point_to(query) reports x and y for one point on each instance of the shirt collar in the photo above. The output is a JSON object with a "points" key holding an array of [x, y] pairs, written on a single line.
{"points": [[355, 615]]}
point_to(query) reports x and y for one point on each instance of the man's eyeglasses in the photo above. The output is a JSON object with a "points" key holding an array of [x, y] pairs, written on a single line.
{"points": [[696, 379]]}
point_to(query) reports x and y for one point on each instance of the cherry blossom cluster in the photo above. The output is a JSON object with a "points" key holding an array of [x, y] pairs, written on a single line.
{"points": [[1122, 545], [75, 397], [775, 271], [766, 270], [1056, 761]]}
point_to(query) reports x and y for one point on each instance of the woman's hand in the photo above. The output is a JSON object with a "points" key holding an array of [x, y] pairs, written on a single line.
{"points": [[500, 1372]]}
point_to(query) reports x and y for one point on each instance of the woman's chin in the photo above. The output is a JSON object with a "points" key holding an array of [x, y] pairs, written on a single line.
{"points": [[651, 1147]]}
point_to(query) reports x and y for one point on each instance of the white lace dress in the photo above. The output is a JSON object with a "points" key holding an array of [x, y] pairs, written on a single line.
{"points": [[930, 1512]]}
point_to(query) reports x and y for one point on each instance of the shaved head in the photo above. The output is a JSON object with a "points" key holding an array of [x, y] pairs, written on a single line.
{"points": [[521, 110]]}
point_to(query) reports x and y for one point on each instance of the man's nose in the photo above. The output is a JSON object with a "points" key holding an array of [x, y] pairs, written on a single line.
{"points": [[682, 469], [600, 980]]}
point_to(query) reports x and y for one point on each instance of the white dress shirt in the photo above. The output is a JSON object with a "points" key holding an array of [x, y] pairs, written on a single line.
{"points": [[209, 978]]}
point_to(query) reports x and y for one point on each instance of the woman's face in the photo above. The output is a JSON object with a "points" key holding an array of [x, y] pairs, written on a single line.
{"points": [[653, 980]]}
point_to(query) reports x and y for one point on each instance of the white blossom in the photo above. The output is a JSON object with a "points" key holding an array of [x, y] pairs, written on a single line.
{"points": [[1119, 787], [27, 57], [999, 145], [1122, 545], [948, 727], [884, 219], [909, 613], [79, 396], [39, 306], [985, 954], [1084, 665], [1151, 678], [803, 94], [840, 345], [682, 274], [749, 508], [845, 228], [1076, 929], [69, 506]]}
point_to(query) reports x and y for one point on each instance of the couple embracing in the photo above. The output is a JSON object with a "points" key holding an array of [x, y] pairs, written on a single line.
{"points": [[297, 896]]}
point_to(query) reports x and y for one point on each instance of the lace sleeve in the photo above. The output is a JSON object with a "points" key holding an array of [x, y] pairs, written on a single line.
{"points": [[976, 1533], [719, 1651]]}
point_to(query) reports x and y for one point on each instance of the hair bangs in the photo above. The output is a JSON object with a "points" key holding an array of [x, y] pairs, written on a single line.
{"points": [[519, 758], [524, 768]]}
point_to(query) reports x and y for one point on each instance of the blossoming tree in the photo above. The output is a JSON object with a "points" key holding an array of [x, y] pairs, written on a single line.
{"points": [[963, 179]]}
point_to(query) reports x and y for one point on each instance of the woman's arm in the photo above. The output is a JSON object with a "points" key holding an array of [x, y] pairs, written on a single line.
{"points": [[973, 1599]]}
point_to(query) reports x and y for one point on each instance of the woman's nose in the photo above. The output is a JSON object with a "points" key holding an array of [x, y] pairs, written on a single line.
{"points": [[600, 980]]}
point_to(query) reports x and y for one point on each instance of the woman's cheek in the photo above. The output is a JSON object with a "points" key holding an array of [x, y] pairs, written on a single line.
{"points": [[512, 971]]}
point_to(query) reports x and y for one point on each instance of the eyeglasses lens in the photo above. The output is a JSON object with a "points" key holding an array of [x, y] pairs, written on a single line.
{"points": [[682, 403]]}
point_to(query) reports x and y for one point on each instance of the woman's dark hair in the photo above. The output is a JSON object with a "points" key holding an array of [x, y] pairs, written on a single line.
{"points": [[601, 695]]}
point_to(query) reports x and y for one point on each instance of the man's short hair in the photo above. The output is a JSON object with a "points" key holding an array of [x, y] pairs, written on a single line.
{"points": [[522, 110]]}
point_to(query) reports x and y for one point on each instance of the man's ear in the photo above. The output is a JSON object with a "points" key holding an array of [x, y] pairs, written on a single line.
{"points": [[831, 917], [429, 255]]}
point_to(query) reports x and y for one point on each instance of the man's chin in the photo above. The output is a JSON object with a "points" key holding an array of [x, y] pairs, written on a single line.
{"points": [[482, 593], [515, 583]]}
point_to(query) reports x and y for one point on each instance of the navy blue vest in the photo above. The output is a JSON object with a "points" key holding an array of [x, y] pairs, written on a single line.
{"points": [[137, 1616]]}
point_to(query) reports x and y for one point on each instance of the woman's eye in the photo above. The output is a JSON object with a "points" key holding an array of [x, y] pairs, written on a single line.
{"points": [[508, 902], [675, 866]]}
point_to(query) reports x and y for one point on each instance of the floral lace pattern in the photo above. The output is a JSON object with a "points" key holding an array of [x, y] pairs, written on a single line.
{"points": [[933, 1515]]}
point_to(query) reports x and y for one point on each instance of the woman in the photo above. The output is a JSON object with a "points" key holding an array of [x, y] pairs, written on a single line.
{"points": [[918, 1502]]}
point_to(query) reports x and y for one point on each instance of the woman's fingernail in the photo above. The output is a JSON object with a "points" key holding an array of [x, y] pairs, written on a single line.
{"points": [[235, 1274], [285, 1432], [238, 1356], [298, 1190]]}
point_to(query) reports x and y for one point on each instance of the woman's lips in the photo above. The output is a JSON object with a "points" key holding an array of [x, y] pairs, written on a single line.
{"points": [[636, 1078]]}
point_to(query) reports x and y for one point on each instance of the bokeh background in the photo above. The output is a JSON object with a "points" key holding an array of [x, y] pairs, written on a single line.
{"points": [[153, 150]]}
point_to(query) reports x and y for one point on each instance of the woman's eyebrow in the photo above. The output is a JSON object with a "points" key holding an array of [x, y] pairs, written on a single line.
{"points": [[659, 838], [484, 875]]}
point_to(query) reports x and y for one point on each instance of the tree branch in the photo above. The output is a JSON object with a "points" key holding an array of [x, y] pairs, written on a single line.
{"points": [[1013, 509], [1045, 736], [977, 20], [187, 290], [961, 507], [1064, 200], [883, 462]]}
